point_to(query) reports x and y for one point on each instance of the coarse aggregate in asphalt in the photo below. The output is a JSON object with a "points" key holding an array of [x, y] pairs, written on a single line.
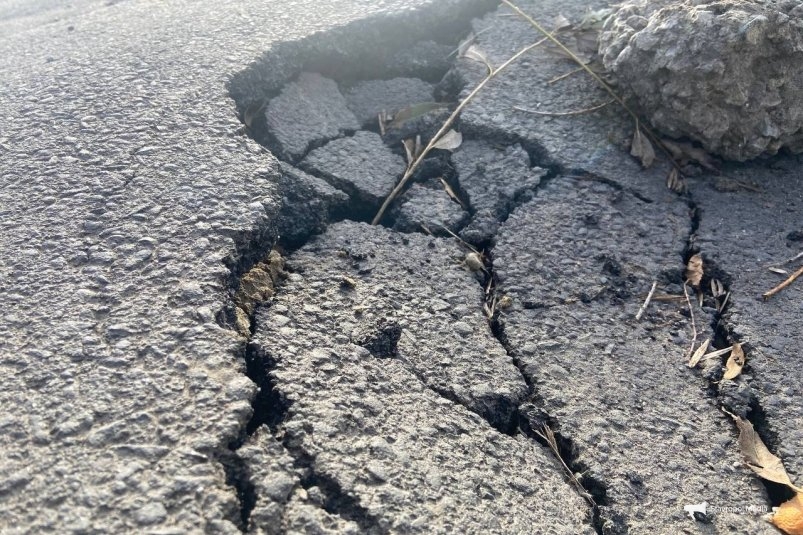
{"points": [[167, 371]]}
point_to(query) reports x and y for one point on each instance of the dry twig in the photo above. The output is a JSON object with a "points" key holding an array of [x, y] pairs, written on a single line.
{"points": [[643, 308], [566, 75], [784, 284], [445, 128], [564, 113], [655, 139], [548, 435], [693, 322]]}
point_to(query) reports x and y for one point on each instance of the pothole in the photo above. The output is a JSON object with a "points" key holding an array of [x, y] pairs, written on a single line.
{"points": [[345, 121]]}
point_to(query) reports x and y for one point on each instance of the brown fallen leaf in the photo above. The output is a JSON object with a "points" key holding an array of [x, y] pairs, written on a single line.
{"points": [[789, 516], [675, 182], [642, 149], [735, 363], [758, 458], [683, 153], [451, 193], [694, 270], [695, 358]]}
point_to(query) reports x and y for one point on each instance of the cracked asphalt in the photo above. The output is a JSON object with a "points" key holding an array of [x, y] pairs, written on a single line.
{"points": [[159, 379]]}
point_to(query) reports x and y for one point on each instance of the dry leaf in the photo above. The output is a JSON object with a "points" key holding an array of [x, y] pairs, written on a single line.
{"points": [[685, 152], [694, 270], [561, 22], [779, 271], [675, 182], [450, 192], [409, 150], [642, 149], [717, 288], [473, 52], [758, 458], [695, 358], [789, 516], [449, 141], [735, 363]]}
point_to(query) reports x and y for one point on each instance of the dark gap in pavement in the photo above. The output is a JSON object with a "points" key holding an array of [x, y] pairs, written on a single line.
{"points": [[530, 416], [721, 337], [335, 500], [238, 476], [269, 407], [359, 50], [581, 174]]}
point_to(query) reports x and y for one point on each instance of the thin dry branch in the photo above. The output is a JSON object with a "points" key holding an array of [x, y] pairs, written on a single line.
{"points": [[564, 113], [548, 435], [563, 76], [445, 128], [693, 322], [643, 308], [784, 284]]}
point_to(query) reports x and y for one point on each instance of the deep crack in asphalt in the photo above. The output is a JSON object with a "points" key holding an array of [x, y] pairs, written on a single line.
{"points": [[527, 418]]}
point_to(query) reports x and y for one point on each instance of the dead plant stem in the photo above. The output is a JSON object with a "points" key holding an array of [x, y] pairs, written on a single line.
{"points": [[564, 113], [445, 128], [643, 308], [594, 75], [693, 322], [784, 284]]}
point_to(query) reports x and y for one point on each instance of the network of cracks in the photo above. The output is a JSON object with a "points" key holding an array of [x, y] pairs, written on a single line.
{"points": [[474, 359]]}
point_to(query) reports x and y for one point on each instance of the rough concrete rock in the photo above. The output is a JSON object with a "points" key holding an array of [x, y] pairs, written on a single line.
{"points": [[308, 203], [430, 207], [361, 165], [306, 113], [576, 262], [493, 178], [723, 72], [368, 98]]}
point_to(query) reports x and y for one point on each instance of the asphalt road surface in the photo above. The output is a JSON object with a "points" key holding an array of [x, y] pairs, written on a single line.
{"points": [[164, 372]]}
